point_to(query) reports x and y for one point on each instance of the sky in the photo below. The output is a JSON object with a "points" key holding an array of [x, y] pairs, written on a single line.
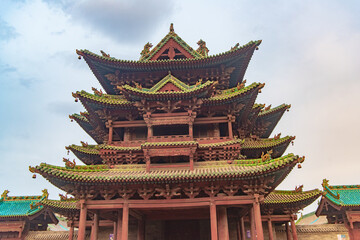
{"points": [[309, 58]]}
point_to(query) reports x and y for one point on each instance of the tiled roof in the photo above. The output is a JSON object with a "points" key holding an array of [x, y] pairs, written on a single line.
{"points": [[343, 195], [176, 38], [61, 206], [291, 197], [90, 149], [112, 100], [275, 109], [11, 207], [85, 52], [265, 142], [102, 66], [272, 117], [137, 172], [220, 144], [185, 90]]}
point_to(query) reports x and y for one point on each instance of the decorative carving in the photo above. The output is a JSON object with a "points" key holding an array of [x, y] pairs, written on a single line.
{"points": [[146, 192], [231, 189], [107, 194], [45, 194], [325, 183], [168, 192], [191, 191], [34, 205], [212, 190], [168, 106], [5, 194], [299, 189], [146, 51], [276, 137], [126, 193], [138, 85], [65, 198], [241, 85], [97, 92], [267, 156], [235, 47], [104, 54], [267, 108], [84, 144], [203, 50], [69, 164]]}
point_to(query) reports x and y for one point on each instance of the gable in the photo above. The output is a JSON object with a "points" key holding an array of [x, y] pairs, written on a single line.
{"points": [[171, 50], [169, 87]]}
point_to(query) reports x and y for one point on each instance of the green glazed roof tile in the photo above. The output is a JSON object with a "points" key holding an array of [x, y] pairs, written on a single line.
{"points": [[343, 195], [137, 172], [19, 206]]}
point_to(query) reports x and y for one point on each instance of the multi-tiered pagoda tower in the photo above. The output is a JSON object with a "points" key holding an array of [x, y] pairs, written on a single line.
{"points": [[179, 139]]}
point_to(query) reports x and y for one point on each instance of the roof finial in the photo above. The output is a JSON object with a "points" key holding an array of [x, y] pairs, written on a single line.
{"points": [[171, 27]]}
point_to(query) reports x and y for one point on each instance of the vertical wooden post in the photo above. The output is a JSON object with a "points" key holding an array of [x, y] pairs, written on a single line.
{"points": [[213, 221], [125, 222], [95, 226], [257, 214], [119, 225], [82, 220], [111, 130], [191, 130], [115, 231], [147, 161], [230, 126], [71, 231], [242, 225], [293, 229], [271, 235], [238, 229], [223, 227], [150, 132], [288, 235], [191, 159], [141, 230], [252, 224], [216, 130]]}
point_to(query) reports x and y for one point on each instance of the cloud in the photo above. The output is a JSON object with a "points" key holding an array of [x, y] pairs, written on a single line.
{"points": [[7, 32], [125, 21]]}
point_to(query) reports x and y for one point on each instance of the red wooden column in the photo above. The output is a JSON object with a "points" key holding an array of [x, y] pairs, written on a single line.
{"points": [[238, 229], [82, 220], [257, 215], [223, 227], [242, 225], [150, 132], [252, 224], [71, 231], [271, 235], [293, 229], [111, 130], [147, 161], [213, 221], [230, 126], [95, 227], [115, 231], [125, 222], [141, 230], [191, 131], [288, 234], [119, 226]]}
